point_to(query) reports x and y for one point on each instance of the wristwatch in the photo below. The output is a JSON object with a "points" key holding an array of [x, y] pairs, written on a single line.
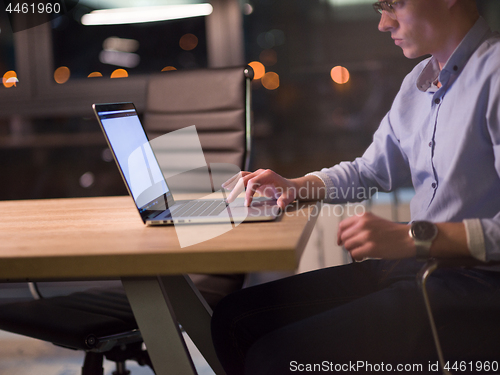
{"points": [[423, 233]]}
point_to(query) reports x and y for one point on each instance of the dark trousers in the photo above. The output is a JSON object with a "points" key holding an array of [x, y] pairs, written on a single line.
{"points": [[366, 317]]}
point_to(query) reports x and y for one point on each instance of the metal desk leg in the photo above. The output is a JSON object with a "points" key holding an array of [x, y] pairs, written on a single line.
{"points": [[194, 314], [158, 325]]}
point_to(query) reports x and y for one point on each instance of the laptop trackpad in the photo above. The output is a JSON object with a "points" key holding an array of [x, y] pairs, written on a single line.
{"points": [[262, 207]]}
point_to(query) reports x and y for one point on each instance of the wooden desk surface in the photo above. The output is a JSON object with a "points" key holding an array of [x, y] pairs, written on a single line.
{"points": [[105, 237]]}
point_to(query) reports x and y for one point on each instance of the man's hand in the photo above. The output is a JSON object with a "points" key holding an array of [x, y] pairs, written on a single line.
{"points": [[266, 183], [370, 236]]}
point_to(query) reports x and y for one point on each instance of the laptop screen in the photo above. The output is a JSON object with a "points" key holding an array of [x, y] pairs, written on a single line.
{"points": [[134, 156]]}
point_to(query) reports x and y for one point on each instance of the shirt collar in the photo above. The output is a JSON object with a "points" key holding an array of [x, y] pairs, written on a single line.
{"points": [[457, 60]]}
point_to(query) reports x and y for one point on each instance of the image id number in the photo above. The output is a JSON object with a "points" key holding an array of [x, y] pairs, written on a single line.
{"points": [[25, 8], [480, 366]]}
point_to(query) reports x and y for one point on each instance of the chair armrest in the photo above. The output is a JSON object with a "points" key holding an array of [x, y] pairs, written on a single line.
{"points": [[425, 272]]}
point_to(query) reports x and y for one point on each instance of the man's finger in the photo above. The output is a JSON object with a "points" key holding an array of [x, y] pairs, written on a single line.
{"points": [[284, 200], [241, 184], [344, 226], [231, 182], [238, 188], [252, 186]]}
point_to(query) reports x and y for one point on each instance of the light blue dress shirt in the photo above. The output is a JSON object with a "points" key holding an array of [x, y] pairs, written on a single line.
{"points": [[445, 141]]}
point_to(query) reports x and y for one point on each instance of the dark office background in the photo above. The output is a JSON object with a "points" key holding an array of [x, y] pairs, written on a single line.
{"points": [[51, 146]]}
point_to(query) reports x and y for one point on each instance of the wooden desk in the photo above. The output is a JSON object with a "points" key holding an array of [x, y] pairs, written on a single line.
{"points": [[82, 238]]}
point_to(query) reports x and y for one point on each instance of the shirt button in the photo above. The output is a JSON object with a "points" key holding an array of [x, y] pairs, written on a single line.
{"points": [[437, 100], [434, 185], [430, 144]]}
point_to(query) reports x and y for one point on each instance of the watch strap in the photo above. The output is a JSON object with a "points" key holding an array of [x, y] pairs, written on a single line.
{"points": [[423, 250]]}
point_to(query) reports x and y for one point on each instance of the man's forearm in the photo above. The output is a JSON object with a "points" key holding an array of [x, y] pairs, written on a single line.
{"points": [[309, 187], [450, 242]]}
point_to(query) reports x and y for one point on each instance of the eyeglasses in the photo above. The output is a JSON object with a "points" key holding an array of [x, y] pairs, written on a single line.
{"points": [[387, 6]]}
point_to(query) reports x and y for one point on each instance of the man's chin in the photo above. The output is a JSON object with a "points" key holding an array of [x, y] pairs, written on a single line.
{"points": [[412, 54]]}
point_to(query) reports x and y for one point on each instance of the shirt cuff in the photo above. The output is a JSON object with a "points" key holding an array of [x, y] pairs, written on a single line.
{"points": [[326, 180], [475, 238]]}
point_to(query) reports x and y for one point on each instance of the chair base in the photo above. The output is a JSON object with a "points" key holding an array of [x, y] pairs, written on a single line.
{"points": [[92, 364]]}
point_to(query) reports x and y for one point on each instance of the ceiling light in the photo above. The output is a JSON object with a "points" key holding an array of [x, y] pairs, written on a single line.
{"points": [[119, 16]]}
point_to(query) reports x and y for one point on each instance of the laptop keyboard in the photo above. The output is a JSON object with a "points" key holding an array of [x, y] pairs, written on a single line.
{"points": [[200, 208]]}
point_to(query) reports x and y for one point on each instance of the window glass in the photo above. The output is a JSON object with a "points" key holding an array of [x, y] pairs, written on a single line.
{"points": [[117, 50], [327, 76]]}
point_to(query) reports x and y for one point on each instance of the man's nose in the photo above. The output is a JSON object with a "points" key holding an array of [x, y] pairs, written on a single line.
{"points": [[387, 23]]}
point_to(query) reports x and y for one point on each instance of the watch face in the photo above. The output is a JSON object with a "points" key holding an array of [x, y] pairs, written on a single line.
{"points": [[423, 230]]}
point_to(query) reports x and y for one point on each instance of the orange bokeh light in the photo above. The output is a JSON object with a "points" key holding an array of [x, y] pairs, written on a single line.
{"points": [[271, 81], [188, 42], [94, 74], [10, 79], [119, 73], [167, 68], [62, 74], [340, 75], [258, 69]]}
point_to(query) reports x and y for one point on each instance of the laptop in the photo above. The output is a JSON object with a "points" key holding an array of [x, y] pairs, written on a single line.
{"points": [[146, 182]]}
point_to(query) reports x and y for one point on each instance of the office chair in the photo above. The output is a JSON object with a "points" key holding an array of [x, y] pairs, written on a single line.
{"points": [[427, 270], [423, 276], [99, 321]]}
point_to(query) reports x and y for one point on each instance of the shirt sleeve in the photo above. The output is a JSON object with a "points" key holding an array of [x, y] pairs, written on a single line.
{"points": [[475, 238], [383, 167]]}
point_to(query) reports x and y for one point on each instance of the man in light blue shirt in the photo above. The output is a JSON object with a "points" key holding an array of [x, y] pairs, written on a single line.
{"points": [[442, 135]]}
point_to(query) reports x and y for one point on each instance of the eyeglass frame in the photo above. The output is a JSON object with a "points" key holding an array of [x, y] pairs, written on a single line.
{"points": [[379, 7]]}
